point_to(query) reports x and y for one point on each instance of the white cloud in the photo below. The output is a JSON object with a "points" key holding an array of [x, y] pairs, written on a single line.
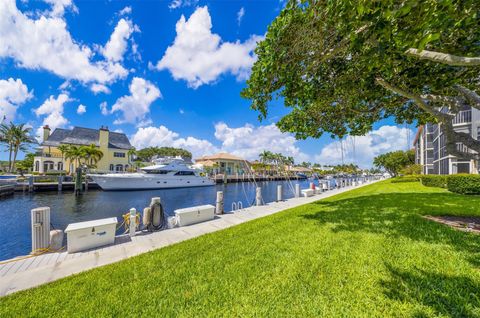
{"points": [[199, 56], [13, 93], [181, 111], [136, 106], [249, 141], [240, 15], [362, 149], [81, 109], [104, 109], [182, 3], [117, 45], [99, 88], [59, 6], [125, 11], [45, 43], [163, 137], [53, 109]]}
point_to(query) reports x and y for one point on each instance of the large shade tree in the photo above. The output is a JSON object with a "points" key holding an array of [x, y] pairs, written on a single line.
{"points": [[343, 65]]}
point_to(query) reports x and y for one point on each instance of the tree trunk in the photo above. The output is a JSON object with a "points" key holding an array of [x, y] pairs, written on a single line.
{"points": [[15, 152]]}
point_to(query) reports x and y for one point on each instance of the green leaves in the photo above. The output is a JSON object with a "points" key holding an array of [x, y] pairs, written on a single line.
{"points": [[321, 59]]}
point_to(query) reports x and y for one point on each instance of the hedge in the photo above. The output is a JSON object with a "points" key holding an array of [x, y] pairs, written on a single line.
{"points": [[438, 181], [464, 183], [405, 179]]}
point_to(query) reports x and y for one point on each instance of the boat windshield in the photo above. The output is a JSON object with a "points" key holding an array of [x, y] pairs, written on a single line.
{"points": [[185, 173], [156, 171]]}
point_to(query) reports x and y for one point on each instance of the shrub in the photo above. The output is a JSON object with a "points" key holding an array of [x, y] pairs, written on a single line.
{"points": [[438, 181], [414, 169], [405, 179], [464, 183]]}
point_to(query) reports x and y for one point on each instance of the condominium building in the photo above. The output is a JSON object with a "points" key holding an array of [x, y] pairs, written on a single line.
{"points": [[431, 152]]}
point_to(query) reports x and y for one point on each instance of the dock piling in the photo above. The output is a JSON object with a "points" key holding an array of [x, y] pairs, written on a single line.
{"points": [[258, 196], [297, 190], [219, 203], [78, 181], [60, 183], [30, 184], [133, 222], [279, 193]]}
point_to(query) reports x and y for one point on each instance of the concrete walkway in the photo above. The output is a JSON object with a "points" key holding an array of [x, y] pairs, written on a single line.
{"points": [[34, 271]]}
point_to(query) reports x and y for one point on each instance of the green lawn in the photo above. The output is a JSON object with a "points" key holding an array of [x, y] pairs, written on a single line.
{"points": [[364, 253]]}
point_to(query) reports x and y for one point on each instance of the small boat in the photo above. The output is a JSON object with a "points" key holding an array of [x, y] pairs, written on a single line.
{"points": [[170, 173]]}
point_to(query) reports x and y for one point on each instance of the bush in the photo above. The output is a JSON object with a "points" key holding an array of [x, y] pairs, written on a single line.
{"points": [[464, 183], [414, 169], [438, 181], [405, 179]]}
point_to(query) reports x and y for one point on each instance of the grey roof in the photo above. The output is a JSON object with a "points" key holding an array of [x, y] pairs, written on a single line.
{"points": [[86, 136]]}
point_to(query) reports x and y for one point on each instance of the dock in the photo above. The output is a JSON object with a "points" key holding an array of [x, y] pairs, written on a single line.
{"points": [[23, 273], [7, 190], [51, 186], [254, 178]]}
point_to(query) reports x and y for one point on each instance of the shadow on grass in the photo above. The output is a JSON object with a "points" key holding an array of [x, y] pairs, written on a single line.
{"points": [[453, 296], [400, 215]]}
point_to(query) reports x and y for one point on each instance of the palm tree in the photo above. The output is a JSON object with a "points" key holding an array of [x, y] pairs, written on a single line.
{"points": [[63, 150], [91, 154], [74, 153], [17, 138], [6, 137]]}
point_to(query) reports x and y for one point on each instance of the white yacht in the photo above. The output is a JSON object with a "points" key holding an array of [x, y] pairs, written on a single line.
{"points": [[170, 173]]}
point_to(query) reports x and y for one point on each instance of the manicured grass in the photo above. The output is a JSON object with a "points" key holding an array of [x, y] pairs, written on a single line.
{"points": [[365, 253]]}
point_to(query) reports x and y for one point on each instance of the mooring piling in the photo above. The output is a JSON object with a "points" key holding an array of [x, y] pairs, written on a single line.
{"points": [[219, 203], [279, 193], [258, 196], [297, 190]]}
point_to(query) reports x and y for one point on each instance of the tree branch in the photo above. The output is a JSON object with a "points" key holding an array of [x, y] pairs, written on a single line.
{"points": [[452, 137], [444, 58], [446, 119], [455, 103], [417, 99], [470, 95]]}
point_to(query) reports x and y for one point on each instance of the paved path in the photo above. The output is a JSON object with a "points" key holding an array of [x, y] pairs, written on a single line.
{"points": [[34, 271]]}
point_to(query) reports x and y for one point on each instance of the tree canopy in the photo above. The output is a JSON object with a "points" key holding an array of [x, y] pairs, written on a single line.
{"points": [[341, 66], [147, 154], [395, 161]]}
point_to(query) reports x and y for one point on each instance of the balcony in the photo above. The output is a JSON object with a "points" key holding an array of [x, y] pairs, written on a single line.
{"points": [[48, 155], [463, 117]]}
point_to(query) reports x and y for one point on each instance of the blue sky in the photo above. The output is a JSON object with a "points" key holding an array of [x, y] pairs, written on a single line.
{"points": [[166, 73]]}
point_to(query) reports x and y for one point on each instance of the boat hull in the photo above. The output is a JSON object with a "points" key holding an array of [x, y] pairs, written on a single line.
{"points": [[145, 182]]}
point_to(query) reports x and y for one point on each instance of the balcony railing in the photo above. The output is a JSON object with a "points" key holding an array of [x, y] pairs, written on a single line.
{"points": [[464, 116], [48, 155]]}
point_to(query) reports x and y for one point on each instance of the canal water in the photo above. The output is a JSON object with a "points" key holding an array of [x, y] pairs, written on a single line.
{"points": [[15, 232]]}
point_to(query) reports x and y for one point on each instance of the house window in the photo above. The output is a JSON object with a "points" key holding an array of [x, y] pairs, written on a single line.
{"points": [[111, 167], [47, 165], [478, 133], [119, 168], [60, 166], [126, 167], [37, 166], [119, 154]]}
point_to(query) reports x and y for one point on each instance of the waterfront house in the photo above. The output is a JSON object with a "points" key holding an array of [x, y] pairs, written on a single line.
{"points": [[224, 163], [430, 149], [114, 146]]}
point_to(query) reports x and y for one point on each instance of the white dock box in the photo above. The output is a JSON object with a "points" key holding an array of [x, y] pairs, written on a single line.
{"points": [[195, 214], [86, 235], [308, 192]]}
